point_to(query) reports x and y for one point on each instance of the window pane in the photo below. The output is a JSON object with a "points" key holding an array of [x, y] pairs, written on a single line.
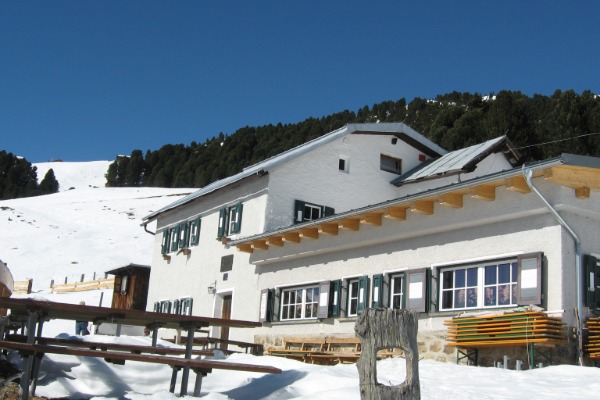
{"points": [[472, 297], [472, 277], [490, 296], [504, 294], [447, 280], [447, 299], [504, 273], [459, 298], [490, 275], [459, 276], [515, 273]]}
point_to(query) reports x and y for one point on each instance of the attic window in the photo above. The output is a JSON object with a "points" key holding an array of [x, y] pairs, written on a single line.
{"points": [[390, 164], [344, 164]]}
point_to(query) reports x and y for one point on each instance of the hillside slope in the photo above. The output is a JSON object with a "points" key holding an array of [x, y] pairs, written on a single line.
{"points": [[84, 229]]}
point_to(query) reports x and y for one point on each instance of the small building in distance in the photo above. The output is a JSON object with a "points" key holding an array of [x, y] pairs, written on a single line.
{"points": [[131, 287]]}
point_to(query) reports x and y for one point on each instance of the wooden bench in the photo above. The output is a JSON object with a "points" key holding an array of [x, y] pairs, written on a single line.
{"points": [[528, 328], [591, 338], [200, 367], [207, 342]]}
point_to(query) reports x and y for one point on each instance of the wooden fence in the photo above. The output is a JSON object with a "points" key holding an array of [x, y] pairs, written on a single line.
{"points": [[23, 287], [106, 283]]}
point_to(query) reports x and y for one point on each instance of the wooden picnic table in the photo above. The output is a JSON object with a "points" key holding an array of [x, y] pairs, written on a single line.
{"points": [[33, 313]]}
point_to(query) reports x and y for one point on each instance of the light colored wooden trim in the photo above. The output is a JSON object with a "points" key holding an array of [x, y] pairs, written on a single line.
{"points": [[352, 224], [582, 192], [398, 213], [422, 207], [454, 200], [372, 219], [484, 192], [260, 244], [517, 184], [312, 233], [245, 248], [330, 229], [293, 237], [275, 241]]}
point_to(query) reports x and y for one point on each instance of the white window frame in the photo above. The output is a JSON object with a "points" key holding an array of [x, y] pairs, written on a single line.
{"points": [[478, 289], [288, 304], [385, 161], [393, 287], [309, 216], [351, 298]]}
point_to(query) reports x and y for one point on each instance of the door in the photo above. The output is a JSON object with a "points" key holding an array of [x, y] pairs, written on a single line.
{"points": [[225, 314]]}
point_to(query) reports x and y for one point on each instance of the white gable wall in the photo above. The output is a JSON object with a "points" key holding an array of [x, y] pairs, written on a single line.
{"points": [[315, 177]]}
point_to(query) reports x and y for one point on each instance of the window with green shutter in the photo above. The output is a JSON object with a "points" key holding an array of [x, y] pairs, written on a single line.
{"points": [[184, 235], [335, 298], [363, 294], [195, 231], [304, 211], [166, 241], [377, 293], [396, 291], [175, 238], [230, 220], [591, 267]]}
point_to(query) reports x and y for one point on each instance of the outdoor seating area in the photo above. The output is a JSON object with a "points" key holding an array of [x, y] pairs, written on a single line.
{"points": [[325, 350], [31, 314], [536, 331], [208, 343]]}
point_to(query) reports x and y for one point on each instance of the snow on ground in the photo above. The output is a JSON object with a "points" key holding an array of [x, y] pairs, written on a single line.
{"points": [[93, 229]]}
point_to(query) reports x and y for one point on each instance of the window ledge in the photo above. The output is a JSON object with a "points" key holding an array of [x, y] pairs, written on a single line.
{"points": [[297, 322]]}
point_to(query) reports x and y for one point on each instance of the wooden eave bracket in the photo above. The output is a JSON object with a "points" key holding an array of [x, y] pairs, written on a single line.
{"points": [[275, 241], [245, 247], [293, 237], [330, 229], [260, 244], [312, 233], [454, 200], [582, 192], [484, 192], [372, 219], [352, 224], [398, 213], [517, 184], [424, 207]]}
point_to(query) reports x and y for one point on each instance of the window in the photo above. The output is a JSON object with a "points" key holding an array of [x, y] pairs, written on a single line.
{"points": [[195, 231], [174, 238], [397, 292], [491, 284], [163, 306], [166, 241], [183, 306], [356, 296], [344, 164], [299, 303], [390, 164], [123, 286], [230, 220], [304, 211]]}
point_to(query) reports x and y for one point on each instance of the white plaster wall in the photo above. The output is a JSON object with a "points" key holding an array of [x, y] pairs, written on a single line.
{"points": [[189, 276], [513, 224], [315, 177]]}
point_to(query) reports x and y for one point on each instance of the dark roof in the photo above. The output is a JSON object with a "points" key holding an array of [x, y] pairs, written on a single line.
{"points": [[128, 269], [458, 161]]}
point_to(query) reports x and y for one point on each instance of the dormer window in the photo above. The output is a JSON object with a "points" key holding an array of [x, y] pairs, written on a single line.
{"points": [[390, 164], [304, 211], [344, 164]]}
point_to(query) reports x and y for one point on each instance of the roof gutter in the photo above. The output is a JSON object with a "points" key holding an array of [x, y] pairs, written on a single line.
{"points": [[145, 225], [528, 174]]}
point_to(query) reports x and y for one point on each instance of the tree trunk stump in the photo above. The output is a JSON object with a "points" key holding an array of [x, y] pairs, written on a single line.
{"points": [[382, 328]]}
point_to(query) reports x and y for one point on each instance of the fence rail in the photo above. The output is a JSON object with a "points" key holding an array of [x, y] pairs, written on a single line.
{"points": [[95, 284], [23, 287]]}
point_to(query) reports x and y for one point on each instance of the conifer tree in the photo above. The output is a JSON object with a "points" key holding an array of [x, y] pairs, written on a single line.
{"points": [[49, 184]]}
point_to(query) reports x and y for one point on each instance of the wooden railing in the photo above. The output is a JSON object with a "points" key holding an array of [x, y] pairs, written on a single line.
{"points": [[95, 284]]}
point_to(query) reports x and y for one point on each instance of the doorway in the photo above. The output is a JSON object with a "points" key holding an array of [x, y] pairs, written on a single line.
{"points": [[225, 314]]}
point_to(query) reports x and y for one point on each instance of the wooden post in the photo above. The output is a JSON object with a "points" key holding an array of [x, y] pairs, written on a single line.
{"points": [[382, 328]]}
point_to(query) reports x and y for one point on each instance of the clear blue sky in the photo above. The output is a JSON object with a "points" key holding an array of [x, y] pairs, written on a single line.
{"points": [[86, 80]]}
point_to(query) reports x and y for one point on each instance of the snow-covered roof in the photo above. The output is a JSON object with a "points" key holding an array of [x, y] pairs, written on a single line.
{"points": [[402, 131], [458, 161]]}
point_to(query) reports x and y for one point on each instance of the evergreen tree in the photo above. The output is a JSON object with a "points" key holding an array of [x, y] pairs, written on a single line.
{"points": [[49, 184]]}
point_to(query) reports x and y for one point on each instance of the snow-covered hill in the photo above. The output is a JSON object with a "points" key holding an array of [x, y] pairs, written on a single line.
{"points": [[86, 228]]}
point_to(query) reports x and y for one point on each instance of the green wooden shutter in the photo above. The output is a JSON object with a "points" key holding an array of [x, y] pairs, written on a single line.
{"points": [[591, 272], [335, 298], [174, 238], [263, 313], [176, 307], [363, 294], [195, 231], [184, 235], [222, 223], [377, 297], [166, 242], [328, 211], [156, 306], [529, 281], [272, 310], [299, 211], [237, 221]]}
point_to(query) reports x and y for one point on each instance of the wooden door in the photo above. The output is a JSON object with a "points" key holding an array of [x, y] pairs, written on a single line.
{"points": [[225, 314]]}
